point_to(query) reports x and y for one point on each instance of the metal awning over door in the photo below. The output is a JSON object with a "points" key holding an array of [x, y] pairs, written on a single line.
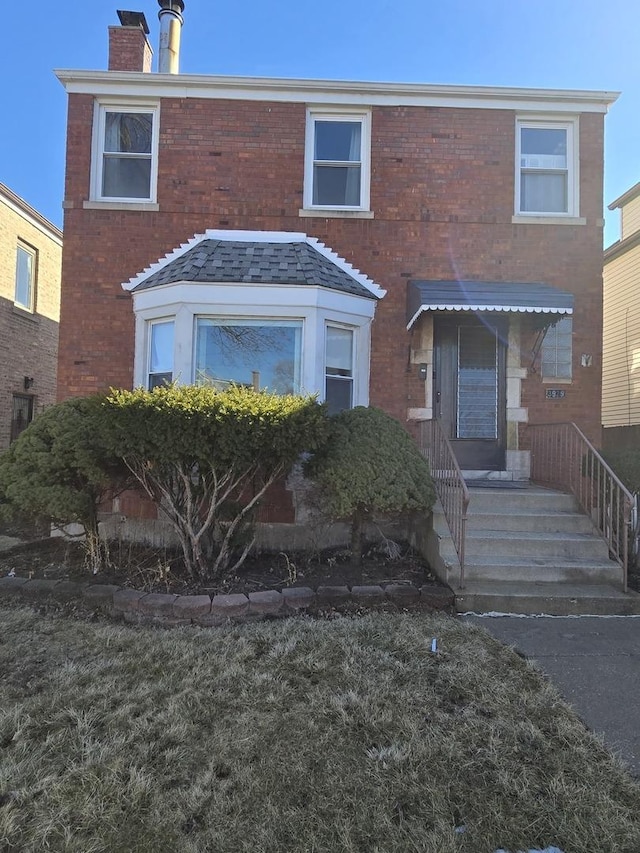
{"points": [[485, 296]]}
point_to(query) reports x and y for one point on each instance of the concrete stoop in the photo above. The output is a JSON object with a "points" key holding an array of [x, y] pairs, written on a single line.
{"points": [[530, 550], [550, 599]]}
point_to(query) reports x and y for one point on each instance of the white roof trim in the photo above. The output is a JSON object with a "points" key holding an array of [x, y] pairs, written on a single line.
{"points": [[141, 84], [517, 309], [257, 237], [30, 214]]}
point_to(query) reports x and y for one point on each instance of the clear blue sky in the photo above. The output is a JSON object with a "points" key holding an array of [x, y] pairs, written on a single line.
{"points": [[574, 44]]}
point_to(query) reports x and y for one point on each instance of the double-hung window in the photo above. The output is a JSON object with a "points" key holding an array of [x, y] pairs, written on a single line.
{"points": [[125, 153], [337, 161], [557, 350], [24, 294], [160, 358], [546, 179], [338, 368]]}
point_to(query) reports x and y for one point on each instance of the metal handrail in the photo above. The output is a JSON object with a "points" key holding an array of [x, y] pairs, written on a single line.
{"points": [[449, 483], [563, 457]]}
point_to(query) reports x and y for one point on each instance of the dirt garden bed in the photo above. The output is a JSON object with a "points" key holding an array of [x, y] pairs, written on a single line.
{"points": [[162, 570]]}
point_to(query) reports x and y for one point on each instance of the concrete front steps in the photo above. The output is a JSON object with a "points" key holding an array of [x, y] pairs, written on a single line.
{"points": [[530, 550]]}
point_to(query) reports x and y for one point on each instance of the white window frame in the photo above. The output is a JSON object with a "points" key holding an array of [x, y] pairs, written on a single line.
{"points": [[351, 378], [33, 253], [243, 320], [335, 114], [571, 126], [97, 159], [550, 345], [157, 322], [315, 307]]}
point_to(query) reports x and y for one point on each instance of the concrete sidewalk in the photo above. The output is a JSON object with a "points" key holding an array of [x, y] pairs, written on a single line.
{"points": [[595, 663]]}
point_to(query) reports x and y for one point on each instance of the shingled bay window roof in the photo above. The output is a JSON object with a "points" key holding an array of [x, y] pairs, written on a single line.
{"points": [[279, 258], [480, 296]]}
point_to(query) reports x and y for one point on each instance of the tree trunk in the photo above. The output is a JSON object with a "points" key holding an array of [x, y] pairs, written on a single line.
{"points": [[357, 532]]}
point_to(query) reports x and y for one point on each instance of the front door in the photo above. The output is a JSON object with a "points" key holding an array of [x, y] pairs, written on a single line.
{"points": [[470, 388]]}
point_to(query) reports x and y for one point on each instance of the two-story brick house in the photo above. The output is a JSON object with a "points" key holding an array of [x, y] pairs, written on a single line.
{"points": [[30, 259], [431, 250]]}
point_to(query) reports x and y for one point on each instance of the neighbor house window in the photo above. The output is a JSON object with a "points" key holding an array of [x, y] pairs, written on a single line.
{"points": [[339, 369], [260, 354], [337, 161], [160, 353], [557, 350], [546, 180], [125, 162], [25, 277], [21, 414]]}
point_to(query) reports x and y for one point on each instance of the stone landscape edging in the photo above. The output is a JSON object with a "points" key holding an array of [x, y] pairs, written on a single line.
{"points": [[153, 608]]}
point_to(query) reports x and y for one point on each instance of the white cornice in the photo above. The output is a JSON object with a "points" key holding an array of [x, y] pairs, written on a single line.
{"points": [[24, 209], [151, 85]]}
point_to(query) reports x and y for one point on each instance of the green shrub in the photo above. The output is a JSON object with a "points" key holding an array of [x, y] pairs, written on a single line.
{"points": [[207, 457], [59, 468], [369, 465], [626, 464]]}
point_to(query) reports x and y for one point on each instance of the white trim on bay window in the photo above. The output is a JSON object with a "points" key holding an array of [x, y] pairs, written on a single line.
{"points": [[304, 311], [547, 168], [160, 352], [124, 161], [337, 161]]}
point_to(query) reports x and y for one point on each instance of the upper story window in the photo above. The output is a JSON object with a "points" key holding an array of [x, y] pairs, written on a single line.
{"points": [[337, 159], [25, 277], [125, 153], [547, 166], [557, 350]]}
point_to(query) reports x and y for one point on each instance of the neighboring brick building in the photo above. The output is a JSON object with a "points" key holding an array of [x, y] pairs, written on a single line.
{"points": [[30, 259], [471, 216]]}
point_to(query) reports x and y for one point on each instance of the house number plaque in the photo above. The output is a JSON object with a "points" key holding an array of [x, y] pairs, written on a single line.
{"points": [[554, 393]]}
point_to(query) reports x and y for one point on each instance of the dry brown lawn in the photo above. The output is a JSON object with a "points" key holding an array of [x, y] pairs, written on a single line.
{"points": [[329, 736]]}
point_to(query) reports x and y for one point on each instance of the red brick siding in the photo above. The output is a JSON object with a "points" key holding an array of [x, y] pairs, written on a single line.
{"points": [[442, 189], [129, 49]]}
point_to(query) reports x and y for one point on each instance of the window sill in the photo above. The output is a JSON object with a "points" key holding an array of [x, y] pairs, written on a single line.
{"points": [[550, 380], [335, 213], [526, 219], [25, 313], [120, 205]]}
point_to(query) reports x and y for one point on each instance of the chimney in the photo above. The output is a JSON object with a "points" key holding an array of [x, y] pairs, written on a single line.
{"points": [[171, 20], [129, 48]]}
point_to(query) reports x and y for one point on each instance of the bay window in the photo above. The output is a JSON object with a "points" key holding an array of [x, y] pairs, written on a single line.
{"points": [[160, 357], [338, 369], [256, 353]]}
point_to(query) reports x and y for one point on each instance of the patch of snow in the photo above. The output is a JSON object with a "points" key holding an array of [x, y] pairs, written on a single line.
{"points": [[495, 614]]}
